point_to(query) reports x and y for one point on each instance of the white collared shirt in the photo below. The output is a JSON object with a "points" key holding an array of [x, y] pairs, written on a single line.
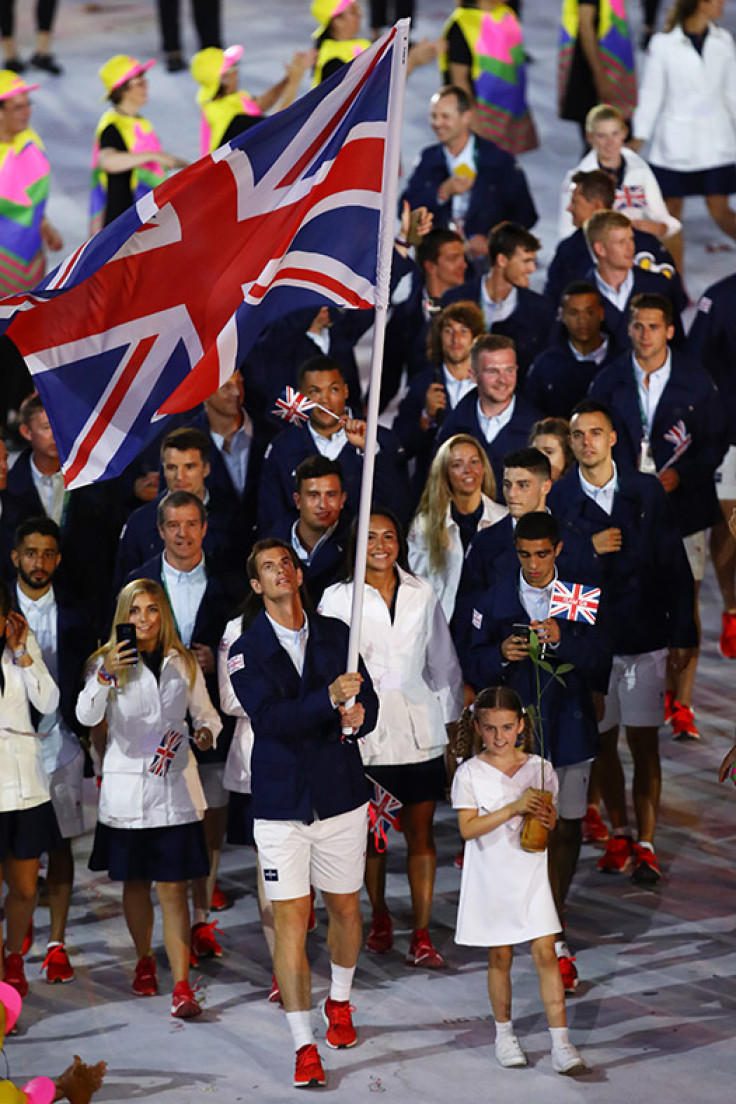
{"points": [[237, 453], [185, 590], [536, 600], [491, 426], [597, 356], [649, 396], [494, 311], [293, 641], [331, 447], [321, 339], [465, 159], [50, 489], [602, 496], [305, 556], [456, 389], [619, 297]]}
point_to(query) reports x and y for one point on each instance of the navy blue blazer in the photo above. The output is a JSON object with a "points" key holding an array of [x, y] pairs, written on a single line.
{"points": [[529, 326], [464, 419], [328, 561], [557, 380], [689, 396], [568, 713], [217, 607], [407, 329], [648, 583], [301, 765], [617, 322], [572, 261], [712, 342], [500, 190], [294, 444]]}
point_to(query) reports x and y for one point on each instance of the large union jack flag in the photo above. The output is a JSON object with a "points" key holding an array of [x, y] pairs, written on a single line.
{"points": [[574, 602], [166, 753], [154, 312]]}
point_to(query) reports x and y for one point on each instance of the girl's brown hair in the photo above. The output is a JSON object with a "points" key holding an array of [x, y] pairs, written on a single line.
{"points": [[466, 741]]}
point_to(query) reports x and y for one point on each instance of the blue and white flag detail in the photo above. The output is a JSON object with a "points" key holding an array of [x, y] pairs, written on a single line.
{"points": [[574, 602]]}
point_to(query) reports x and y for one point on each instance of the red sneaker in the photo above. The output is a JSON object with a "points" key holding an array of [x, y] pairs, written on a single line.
{"points": [[274, 993], [341, 1032], [670, 706], [568, 972], [616, 859], [145, 982], [27, 940], [204, 944], [14, 974], [184, 1004], [57, 965], [308, 1072], [646, 870], [381, 936], [220, 901], [683, 723], [422, 951], [727, 642], [594, 830]]}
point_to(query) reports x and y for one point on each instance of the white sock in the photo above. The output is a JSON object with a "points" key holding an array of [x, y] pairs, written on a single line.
{"points": [[560, 1036], [647, 846], [504, 1030], [300, 1026], [57, 943], [199, 916], [341, 981], [561, 949]]}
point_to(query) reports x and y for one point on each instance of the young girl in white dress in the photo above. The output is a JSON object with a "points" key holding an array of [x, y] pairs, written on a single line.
{"points": [[505, 896]]}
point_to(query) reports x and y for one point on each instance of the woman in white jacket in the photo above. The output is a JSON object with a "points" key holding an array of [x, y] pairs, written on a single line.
{"points": [[27, 823], [687, 110], [151, 801], [409, 653], [456, 503]]}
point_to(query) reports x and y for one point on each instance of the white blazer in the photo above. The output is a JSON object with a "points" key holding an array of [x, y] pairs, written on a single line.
{"points": [[413, 665], [446, 582], [640, 196], [139, 714], [23, 779], [237, 766], [687, 102]]}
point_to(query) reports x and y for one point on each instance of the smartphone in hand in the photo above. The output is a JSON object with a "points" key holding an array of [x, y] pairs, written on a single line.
{"points": [[126, 633], [521, 631]]}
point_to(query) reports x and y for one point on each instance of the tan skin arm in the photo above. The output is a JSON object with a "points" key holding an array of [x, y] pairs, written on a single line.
{"points": [[474, 824]]}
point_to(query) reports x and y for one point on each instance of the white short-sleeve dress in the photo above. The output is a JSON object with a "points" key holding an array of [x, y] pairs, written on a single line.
{"points": [[505, 895]]}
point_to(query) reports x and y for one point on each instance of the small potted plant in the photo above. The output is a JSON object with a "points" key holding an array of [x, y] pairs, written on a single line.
{"points": [[533, 832]]}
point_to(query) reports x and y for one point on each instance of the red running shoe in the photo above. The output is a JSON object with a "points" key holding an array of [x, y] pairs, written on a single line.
{"points": [[727, 642], [341, 1032], [57, 965], [220, 901], [145, 982], [381, 936], [616, 859], [308, 1072], [569, 973], [422, 951], [646, 870], [683, 723], [14, 974], [204, 944], [594, 830], [27, 940], [274, 993], [184, 1004]]}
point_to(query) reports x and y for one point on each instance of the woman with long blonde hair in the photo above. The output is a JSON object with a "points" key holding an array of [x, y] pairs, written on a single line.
{"points": [[456, 503], [151, 801]]}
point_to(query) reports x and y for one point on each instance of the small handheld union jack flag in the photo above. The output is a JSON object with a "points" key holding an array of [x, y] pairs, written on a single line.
{"points": [[574, 602], [679, 437], [384, 812], [165, 753], [293, 407]]}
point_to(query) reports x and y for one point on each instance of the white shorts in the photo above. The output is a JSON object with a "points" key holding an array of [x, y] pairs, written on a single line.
{"points": [[636, 691], [327, 854], [65, 790], [726, 477], [572, 796], [695, 547], [212, 776]]}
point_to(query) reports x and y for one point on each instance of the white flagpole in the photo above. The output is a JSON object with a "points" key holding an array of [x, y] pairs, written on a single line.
{"points": [[386, 234]]}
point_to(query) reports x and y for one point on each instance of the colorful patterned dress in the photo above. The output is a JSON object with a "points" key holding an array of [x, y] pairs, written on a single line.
{"points": [[24, 188], [576, 89], [138, 136]]}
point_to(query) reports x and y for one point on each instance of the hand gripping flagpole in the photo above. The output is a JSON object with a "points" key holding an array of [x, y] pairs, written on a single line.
{"points": [[386, 234]]}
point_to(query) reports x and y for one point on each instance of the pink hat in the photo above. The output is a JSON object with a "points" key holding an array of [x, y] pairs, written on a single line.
{"points": [[12, 85], [120, 69]]}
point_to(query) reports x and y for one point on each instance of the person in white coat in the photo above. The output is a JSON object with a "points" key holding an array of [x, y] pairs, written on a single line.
{"points": [[457, 502], [687, 110], [638, 195], [151, 800], [27, 823], [411, 659]]}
